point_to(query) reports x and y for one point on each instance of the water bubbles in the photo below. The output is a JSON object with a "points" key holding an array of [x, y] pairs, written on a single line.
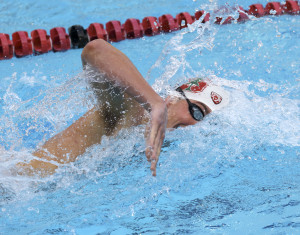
{"points": [[269, 70], [237, 73], [28, 80], [174, 59], [272, 12], [294, 64], [36, 210]]}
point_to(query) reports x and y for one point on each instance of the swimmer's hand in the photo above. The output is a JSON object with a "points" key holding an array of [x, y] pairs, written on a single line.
{"points": [[155, 133]]}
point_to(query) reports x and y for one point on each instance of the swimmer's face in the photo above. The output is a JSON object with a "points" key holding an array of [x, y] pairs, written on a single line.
{"points": [[179, 114]]}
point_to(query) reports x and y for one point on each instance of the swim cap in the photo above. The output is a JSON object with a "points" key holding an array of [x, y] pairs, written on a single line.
{"points": [[207, 93]]}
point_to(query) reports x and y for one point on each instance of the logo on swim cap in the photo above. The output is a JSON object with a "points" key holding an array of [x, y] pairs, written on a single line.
{"points": [[195, 86], [216, 98], [203, 90]]}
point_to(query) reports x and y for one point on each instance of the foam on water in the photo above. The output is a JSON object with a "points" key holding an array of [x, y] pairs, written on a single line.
{"points": [[236, 169]]}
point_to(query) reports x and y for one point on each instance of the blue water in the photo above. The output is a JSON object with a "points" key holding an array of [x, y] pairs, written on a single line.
{"points": [[237, 172]]}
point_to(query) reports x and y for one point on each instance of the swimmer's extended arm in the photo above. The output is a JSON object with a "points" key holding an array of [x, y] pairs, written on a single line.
{"points": [[66, 145], [88, 130], [120, 70]]}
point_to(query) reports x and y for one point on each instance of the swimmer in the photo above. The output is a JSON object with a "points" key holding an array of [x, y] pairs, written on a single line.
{"points": [[125, 99]]}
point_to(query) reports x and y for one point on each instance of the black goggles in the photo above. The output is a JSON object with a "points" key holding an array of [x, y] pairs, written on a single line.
{"points": [[195, 111]]}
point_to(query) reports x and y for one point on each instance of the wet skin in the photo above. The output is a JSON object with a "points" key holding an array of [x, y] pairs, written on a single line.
{"points": [[178, 112], [124, 111], [178, 115]]}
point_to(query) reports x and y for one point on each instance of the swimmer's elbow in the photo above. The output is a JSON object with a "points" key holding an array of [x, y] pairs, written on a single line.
{"points": [[86, 53], [96, 47]]}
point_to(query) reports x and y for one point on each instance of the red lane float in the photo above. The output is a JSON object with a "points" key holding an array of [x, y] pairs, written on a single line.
{"points": [[228, 20], [133, 28], [257, 10], [60, 39], [224, 11], [184, 17], [41, 41], [242, 15], [115, 31], [273, 8], [291, 7], [6, 47], [96, 30], [22, 44], [168, 23], [151, 26], [199, 14]]}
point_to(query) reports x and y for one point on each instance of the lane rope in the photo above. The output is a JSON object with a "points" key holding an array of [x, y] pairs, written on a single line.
{"points": [[40, 42]]}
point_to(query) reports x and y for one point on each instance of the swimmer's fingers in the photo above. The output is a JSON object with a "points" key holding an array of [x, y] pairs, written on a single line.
{"points": [[155, 154], [154, 149], [154, 132], [151, 132], [157, 134], [148, 148]]}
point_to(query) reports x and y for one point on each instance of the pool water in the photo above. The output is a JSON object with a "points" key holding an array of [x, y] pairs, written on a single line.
{"points": [[236, 172]]}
